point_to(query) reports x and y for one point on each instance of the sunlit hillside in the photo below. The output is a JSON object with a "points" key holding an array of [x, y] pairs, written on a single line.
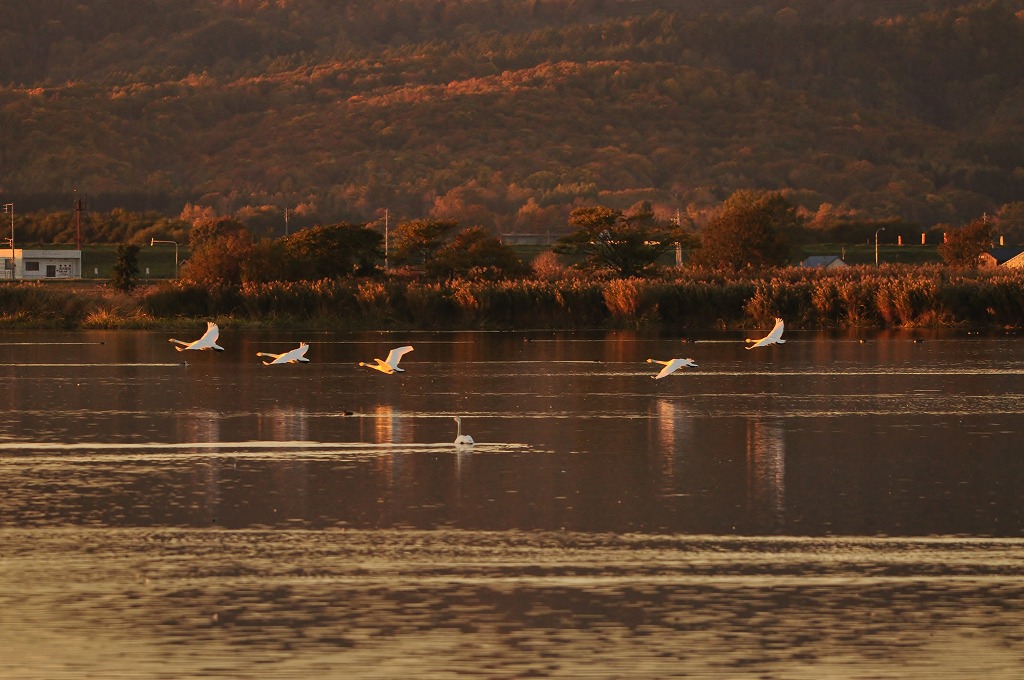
{"points": [[507, 113]]}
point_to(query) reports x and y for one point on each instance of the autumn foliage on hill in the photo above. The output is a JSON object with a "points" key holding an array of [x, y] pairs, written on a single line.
{"points": [[510, 114]]}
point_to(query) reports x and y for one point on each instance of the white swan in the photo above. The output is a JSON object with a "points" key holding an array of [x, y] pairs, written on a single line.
{"points": [[671, 366], [390, 365], [773, 338], [462, 439], [296, 355], [208, 341]]}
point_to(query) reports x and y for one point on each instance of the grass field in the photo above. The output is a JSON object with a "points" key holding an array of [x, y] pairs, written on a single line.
{"points": [[851, 254], [865, 254], [158, 261], [98, 261]]}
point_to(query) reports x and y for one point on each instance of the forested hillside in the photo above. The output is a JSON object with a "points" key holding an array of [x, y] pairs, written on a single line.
{"points": [[507, 113]]}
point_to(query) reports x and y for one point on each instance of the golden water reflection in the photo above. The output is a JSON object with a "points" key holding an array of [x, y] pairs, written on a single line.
{"points": [[766, 471]]}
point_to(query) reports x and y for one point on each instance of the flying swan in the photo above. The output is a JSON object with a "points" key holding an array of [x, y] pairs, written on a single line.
{"points": [[294, 356], [390, 365], [208, 341], [671, 366], [462, 439], [775, 337]]}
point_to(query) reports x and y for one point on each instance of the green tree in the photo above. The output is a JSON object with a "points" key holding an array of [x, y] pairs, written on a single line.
{"points": [[476, 251], [605, 238], [417, 241], [963, 246], [126, 267], [332, 250], [749, 230]]}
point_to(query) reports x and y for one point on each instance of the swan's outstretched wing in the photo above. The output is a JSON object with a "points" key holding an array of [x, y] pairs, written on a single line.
{"points": [[776, 334], [774, 337], [207, 341], [378, 366], [296, 355], [671, 366], [209, 338], [395, 355], [289, 357]]}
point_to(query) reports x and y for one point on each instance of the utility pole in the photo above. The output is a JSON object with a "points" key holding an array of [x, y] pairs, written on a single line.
{"points": [[286, 221], [9, 207], [79, 207]]}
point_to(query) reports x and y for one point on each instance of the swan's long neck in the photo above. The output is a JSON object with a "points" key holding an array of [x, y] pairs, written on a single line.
{"points": [[458, 423]]}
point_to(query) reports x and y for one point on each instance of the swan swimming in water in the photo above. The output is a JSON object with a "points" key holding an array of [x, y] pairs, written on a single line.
{"points": [[208, 341], [775, 337], [294, 356], [390, 365], [462, 439], [671, 366]]}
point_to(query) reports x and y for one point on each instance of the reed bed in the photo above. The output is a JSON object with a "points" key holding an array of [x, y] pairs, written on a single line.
{"points": [[38, 304], [888, 296]]}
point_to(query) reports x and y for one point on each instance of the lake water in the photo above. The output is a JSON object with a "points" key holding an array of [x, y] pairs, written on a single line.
{"points": [[839, 506]]}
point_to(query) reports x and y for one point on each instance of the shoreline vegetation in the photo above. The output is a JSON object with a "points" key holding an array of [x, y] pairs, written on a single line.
{"points": [[890, 296]]}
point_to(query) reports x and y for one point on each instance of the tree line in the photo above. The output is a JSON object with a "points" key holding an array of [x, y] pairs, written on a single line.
{"points": [[750, 231]]}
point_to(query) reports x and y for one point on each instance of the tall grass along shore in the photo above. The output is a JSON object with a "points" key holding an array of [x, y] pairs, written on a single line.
{"points": [[863, 296]]}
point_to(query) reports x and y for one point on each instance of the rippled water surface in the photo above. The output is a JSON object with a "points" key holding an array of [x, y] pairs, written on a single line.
{"points": [[839, 506]]}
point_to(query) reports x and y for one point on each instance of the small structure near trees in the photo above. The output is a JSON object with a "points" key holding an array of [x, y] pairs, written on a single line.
{"points": [[824, 262], [1012, 258]]}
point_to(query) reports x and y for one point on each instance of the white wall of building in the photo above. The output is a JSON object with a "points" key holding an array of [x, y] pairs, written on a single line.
{"points": [[34, 265]]}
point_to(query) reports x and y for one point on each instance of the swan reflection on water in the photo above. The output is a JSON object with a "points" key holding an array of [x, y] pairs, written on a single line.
{"points": [[390, 427], [282, 424], [765, 452], [766, 470], [675, 435]]}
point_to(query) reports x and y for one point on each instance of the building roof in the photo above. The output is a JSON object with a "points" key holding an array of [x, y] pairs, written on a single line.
{"points": [[822, 261], [1001, 255], [1015, 262]]}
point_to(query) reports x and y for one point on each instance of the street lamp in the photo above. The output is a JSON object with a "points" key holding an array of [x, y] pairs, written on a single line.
{"points": [[9, 207], [154, 241], [876, 244]]}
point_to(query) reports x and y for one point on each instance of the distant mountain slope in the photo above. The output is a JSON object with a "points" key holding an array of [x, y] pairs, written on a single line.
{"points": [[508, 113]]}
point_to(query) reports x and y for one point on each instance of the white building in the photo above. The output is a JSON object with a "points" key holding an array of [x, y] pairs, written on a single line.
{"points": [[34, 265]]}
